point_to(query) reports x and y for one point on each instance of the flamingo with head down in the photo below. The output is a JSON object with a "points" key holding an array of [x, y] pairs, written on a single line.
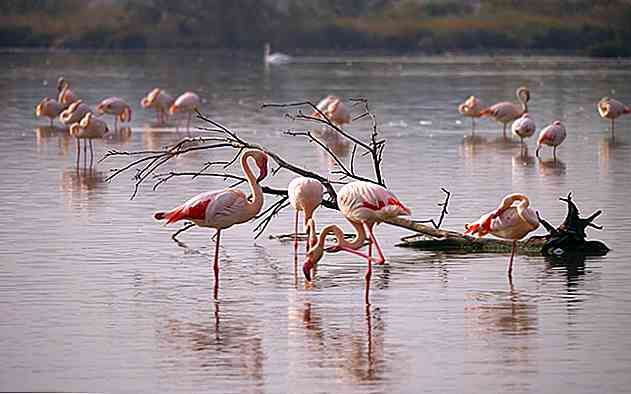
{"points": [[508, 222], [305, 194], [552, 135], [159, 100], [115, 106], [611, 109], [472, 108], [187, 102], [524, 127], [334, 109], [49, 108], [223, 209], [363, 204], [505, 111]]}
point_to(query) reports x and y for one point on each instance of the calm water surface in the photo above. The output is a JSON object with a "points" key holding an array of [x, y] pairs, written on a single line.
{"points": [[94, 295]]}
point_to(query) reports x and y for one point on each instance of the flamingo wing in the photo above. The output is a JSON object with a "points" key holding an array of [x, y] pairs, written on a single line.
{"points": [[227, 209]]}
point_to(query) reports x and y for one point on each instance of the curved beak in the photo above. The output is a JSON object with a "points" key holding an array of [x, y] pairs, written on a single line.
{"points": [[306, 269], [263, 174]]}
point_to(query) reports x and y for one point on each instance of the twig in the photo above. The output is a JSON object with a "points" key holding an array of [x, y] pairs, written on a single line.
{"points": [[443, 212]]}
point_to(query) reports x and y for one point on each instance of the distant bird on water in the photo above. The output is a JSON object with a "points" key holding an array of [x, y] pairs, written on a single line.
{"points": [[334, 109], [66, 95], [160, 101], [48, 107], [523, 127], [472, 108], [552, 135], [74, 113], [224, 208], [305, 194], [276, 57], [507, 222], [188, 102], [611, 109], [505, 111], [115, 106], [90, 127]]}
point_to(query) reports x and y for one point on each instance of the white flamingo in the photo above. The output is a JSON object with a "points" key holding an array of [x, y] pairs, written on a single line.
{"points": [[115, 106], [505, 112], [160, 101], [48, 107], [552, 135], [611, 109], [523, 127], [66, 95], [305, 194], [472, 108], [89, 128], [188, 102]]}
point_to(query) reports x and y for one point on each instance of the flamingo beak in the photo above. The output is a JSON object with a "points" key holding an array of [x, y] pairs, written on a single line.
{"points": [[307, 267], [263, 173]]}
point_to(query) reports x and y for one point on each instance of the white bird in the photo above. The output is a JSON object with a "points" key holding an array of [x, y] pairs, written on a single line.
{"points": [[90, 127], [523, 127], [472, 108], [552, 135], [276, 57], [305, 194], [115, 106], [334, 109], [505, 111], [160, 101], [48, 107], [74, 113], [611, 109], [187, 102]]}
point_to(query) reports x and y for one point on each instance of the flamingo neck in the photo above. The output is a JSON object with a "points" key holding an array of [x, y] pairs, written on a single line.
{"points": [[257, 193], [342, 243]]}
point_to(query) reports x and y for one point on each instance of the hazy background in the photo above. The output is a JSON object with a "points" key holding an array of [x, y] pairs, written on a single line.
{"points": [[583, 27]]}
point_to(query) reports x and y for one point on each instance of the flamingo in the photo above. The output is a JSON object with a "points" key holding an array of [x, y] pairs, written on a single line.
{"points": [[187, 102], [223, 208], [305, 194], [523, 127], [363, 204], [334, 109], [611, 109], [48, 107], [66, 95], [552, 135], [74, 113], [507, 222], [505, 111], [90, 127], [115, 106], [275, 58], [471, 107], [159, 100]]}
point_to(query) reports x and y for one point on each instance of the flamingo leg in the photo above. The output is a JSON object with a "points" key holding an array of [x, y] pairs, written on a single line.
{"points": [[78, 151], [504, 131], [367, 277], [554, 153], [91, 153], [380, 257], [612, 134], [510, 261], [296, 234], [85, 154], [216, 265]]}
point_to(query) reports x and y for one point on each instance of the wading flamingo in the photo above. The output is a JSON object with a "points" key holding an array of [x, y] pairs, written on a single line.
{"points": [[187, 102], [611, 109], [66, 95], [90, 127], [223, 208], [305, 194], [524, 127], [74, 113], [507, 222], [472, 108], [334, 109], [49, 108], [363, 204], [505, 112], [552, 135], [160, 101], [275, 58], [115, 106]]}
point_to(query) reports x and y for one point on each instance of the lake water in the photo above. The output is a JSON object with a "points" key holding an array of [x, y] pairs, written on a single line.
{"points": [[95, 296]]}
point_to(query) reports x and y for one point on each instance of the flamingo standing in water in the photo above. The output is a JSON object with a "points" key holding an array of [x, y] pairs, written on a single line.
{"points": [[505, 112], [159, 100], [89, 128], [115, 106], [305, 194], [66, 95], [334, 109], [552, 135], [524, 127], [223, 209], [507, 222], [363, 204], [49, 108], [187, 102], [471, 107], [611, 109]]}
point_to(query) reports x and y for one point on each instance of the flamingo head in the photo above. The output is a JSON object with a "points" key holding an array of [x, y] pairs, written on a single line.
{"points": [[314, 255], [557, 123], [61, 83], [523, 94], [261, 162], [173, 109]]}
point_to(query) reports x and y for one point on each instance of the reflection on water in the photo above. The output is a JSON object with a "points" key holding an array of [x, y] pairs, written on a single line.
{"points": [[120, 137], [551, 167]]}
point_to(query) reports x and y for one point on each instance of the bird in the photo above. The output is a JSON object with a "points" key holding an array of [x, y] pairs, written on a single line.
{"points": [[552, 135], [48, 107], [363, 204], [507, 222], [159, 100], [66, 95], [276, 57], [115, 106], [611, 109], [187, 102], [223, 209], [334, 109], [523, 127], [305, 194], [74, 113], [90, 127], [471, 107], [505, 112]]}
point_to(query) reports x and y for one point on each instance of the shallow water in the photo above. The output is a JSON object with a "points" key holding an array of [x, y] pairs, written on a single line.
{"points": [[95, 296]]}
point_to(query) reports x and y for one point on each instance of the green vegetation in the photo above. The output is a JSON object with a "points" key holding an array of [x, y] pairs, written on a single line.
{"points": [[597, 28]]}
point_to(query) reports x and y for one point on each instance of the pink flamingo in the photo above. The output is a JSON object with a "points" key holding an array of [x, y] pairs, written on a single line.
{"points": [[507, 222], [187, 102], [49, 108], [223, 209], [505, 111], [89, 128], [524, 127], [74, 113], [159, 100], [611, 109], [552, 135], [66, 95], [115, 106], [472, 108], [305, 194], [363, 204], [334, 109]]}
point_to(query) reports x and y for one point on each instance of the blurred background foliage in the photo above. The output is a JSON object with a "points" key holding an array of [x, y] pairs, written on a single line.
{"points": [[595, 28]]}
